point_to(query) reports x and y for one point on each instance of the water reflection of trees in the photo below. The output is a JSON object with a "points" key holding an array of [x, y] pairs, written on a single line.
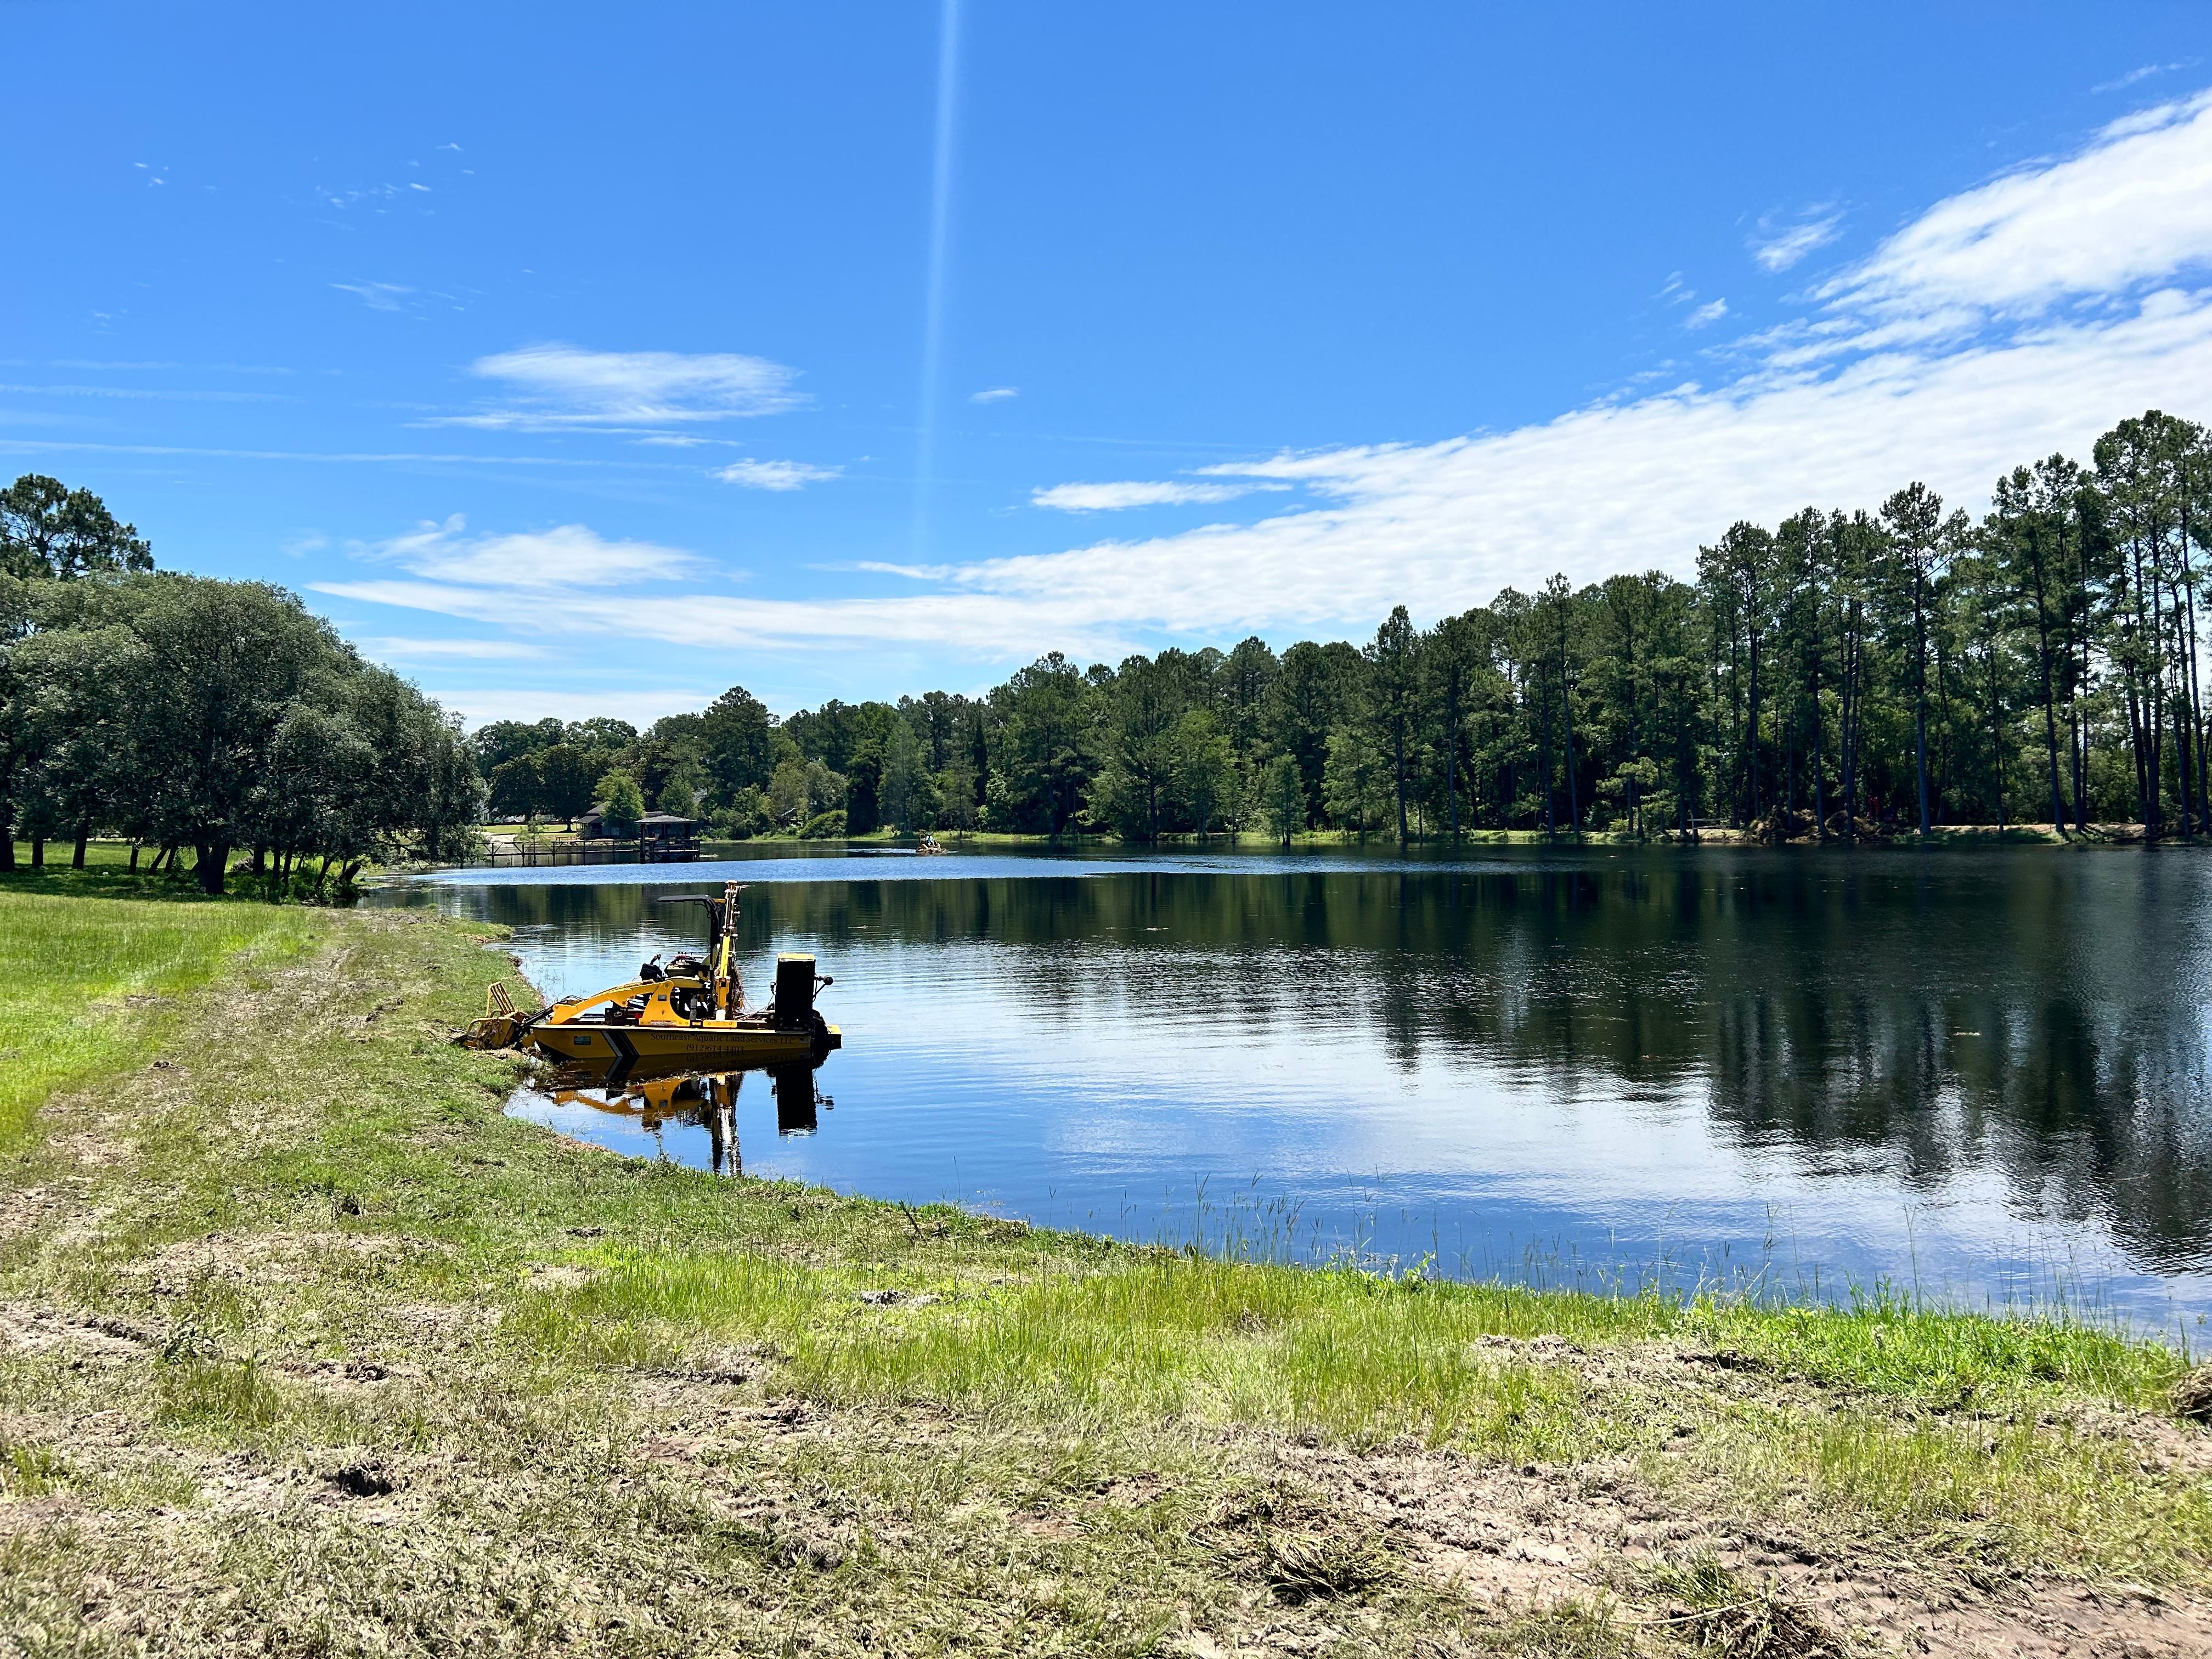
{"points": [[2041, 1016]]}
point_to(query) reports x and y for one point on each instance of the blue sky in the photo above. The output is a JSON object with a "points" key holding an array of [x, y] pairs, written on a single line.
{"points": [[574, 365]]}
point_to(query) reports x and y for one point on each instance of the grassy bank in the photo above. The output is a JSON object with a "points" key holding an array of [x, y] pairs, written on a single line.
{"points": [[88, 978], [306, 1347]]}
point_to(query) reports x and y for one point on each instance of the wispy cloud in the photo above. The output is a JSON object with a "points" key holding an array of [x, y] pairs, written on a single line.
{"points": [[774, 475], [337, 457], [2120, 82], [568, 557], [1113, 497], [1706, 314], [2131, 209], [122, 367], [1778, 250], [2018, 317], [377, 296], [997, 394], [156, 394], [555, 386]]}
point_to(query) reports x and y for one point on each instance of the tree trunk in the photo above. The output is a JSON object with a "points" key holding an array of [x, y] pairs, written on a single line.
{"points": [[2077, 757], [1398, 749], [2141, 743], [77, 852], [7, 835], [1567, 735], [38, 851], [213, 859], [1544, 749], [1819, 792], [1451, 757], [2049, 707], [1920, 699], [134, 858], [1848, 734], [1751, 740]]}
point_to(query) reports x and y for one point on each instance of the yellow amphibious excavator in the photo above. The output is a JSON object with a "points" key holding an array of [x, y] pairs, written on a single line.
{"points": [[693, 1010]]}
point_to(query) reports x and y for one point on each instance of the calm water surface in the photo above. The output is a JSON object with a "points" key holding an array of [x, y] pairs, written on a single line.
{"points": [[1987, 1074]]}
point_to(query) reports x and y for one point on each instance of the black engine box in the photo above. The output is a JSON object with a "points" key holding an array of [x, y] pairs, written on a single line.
{"points": [[794, 991]]}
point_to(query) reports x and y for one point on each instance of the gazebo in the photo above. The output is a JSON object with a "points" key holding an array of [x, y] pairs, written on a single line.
{"points": [[661, 837]]}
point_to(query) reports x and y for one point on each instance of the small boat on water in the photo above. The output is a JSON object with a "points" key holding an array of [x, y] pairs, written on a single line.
{"points": [[691, 1011], [924, 849]]}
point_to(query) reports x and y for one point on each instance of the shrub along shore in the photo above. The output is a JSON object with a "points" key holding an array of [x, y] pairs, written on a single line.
{"points": [[306, 1346]]}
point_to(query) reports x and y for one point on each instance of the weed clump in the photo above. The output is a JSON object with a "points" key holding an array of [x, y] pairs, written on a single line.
{"points": [[1712, 1611], [1312, 1567], [2191, 1396], [1302, 1546]]}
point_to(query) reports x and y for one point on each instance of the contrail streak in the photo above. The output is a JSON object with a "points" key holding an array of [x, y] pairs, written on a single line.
{"points": [[940, 217]]}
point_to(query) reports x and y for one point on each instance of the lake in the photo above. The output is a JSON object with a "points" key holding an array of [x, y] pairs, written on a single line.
{"points": [[1985, 1075]]}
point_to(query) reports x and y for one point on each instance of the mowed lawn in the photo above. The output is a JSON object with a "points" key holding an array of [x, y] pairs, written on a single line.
{"points": [[86, 981]]}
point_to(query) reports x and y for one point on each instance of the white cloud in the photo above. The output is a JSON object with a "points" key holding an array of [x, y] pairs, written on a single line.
{"points": [[377, 296], [774, 475], [1444, 526], [2132, 209], [2143, 73], [1113, 497], [565, 386], [1704, 314], [567, 556], [997, 394], [1956, 350], [165, 394], [1779, 250]]}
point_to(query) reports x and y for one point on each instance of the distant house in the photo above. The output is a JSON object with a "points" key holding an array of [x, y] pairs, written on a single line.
{"points": [[663, 836]]}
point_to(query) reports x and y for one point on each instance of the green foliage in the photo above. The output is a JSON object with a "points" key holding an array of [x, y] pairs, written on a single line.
{"points": [[204, 714], [1283, 798], [622, 802], [48, 530]]}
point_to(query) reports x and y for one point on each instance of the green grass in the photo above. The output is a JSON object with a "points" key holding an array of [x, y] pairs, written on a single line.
{"points": [[624, 1406], [1359, 1355], [83, 980]]}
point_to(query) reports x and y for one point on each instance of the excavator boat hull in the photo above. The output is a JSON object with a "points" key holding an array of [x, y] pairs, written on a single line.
{"points": [[592, 1043]]}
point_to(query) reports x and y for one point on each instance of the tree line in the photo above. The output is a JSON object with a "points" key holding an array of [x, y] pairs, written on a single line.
{"points": [[1846, 673], [210, 717]]}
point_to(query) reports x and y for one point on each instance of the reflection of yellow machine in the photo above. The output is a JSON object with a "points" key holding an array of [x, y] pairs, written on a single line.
{"points": [[691, 1012], [709, 1099]]}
